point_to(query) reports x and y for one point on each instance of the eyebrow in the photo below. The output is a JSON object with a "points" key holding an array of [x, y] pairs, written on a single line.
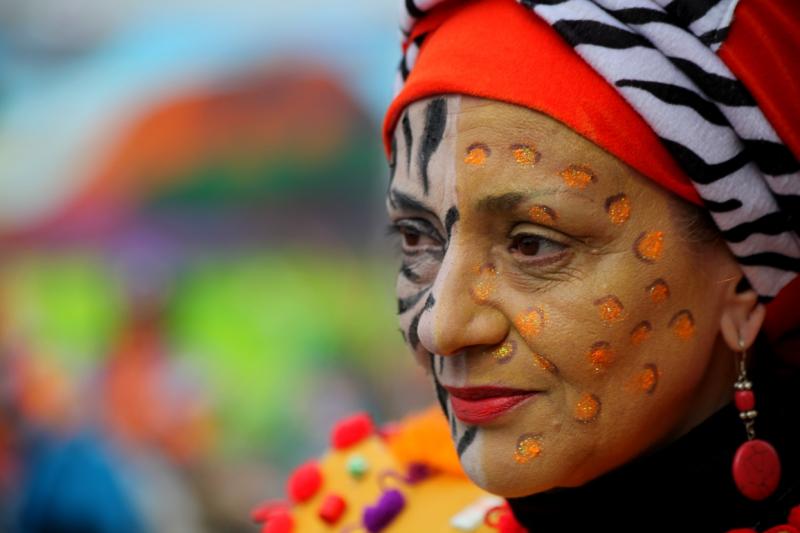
{"points": [[511, 200], [406, 202]]}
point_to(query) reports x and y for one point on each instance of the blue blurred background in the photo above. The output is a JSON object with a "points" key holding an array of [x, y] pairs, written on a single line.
{"points": [[194, 278]]}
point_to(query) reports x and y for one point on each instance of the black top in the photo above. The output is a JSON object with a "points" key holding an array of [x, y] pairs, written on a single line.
{"points": [[686, 486]]}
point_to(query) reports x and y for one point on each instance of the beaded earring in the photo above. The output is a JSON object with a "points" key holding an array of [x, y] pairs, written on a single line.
{"points": [[756, 466]]}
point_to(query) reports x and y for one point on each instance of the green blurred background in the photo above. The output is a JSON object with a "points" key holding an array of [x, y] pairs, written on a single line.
{"points": [[194, 279]]}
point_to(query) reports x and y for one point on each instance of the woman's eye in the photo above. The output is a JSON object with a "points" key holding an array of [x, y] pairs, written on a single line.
{"points": [[527, 244], [416, 235], [411, 238], [536, 250]]}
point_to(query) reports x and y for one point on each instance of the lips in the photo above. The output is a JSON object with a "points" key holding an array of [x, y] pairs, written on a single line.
{"points": [[480, 405]]}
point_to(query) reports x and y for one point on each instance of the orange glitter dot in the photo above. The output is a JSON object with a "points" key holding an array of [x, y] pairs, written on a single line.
{"points": [[601, 356], [649, 246], [648, 379], [486, 284], [529, 323], [618, 208], [658, 291], [577, 176], [541, 214], [641, 332], [682, 324], [587, 409], [544, 363], [610, 309], [524, 154], [528, 448], [504, 352], [477, 154]]}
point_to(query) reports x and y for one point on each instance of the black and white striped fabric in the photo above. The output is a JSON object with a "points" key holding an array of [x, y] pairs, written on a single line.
{"points": [[661, 57]]}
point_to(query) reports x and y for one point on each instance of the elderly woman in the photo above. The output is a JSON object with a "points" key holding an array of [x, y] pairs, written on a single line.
{"points": [[596, 200]]}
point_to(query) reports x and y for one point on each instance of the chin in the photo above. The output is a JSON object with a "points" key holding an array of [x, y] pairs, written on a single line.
{"points": [[508, 481]]}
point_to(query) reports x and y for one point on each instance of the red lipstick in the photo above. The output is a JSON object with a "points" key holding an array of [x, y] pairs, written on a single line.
{"points": [[480, 405]]}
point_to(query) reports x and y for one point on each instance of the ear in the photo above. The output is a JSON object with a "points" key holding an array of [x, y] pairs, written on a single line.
{"points": [[741, 318]]}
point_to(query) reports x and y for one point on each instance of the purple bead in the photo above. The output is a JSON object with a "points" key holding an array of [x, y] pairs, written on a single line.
{"points": [[378, 516]]}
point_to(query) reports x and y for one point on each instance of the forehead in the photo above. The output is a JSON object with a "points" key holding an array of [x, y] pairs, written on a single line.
{"points": [[479, 147]]}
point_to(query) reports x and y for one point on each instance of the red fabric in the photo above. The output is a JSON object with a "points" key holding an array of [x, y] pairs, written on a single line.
{"points": [[763, 51], [499, 50]]}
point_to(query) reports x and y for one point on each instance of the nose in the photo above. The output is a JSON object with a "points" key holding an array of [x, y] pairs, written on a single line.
{"points": [[462, 315]]}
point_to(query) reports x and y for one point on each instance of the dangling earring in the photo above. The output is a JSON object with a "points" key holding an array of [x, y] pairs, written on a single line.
{"points": [[756, 466]]}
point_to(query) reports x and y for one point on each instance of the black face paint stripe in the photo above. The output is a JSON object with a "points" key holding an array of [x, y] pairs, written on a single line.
{"points": [[405, 304], [453, 426], [413, 334], [466, 440], [430, 301], [441, 364], [409, 138], [450, 219], [435, 122], [441, 392], [409, 274]]}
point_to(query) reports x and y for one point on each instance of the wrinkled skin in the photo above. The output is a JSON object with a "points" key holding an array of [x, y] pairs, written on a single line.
{"points": [[504, 247]]}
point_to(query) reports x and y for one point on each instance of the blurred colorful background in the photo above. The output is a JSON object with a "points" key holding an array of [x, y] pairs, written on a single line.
{"points": [[194, 278]]}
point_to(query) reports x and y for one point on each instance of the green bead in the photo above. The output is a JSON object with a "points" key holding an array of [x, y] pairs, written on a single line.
{"points": [[357, 466]]}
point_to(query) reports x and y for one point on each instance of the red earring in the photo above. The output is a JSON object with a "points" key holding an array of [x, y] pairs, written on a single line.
{"points": [[756, 466]]}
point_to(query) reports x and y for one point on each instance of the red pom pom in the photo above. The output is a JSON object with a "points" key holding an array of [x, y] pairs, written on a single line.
{"points": [[508, 524], [745, 400], [279, 522], [332, 508], [304, 482], [756, 469], [784, 528], [794, 516], [261, 514], [351, 430]]}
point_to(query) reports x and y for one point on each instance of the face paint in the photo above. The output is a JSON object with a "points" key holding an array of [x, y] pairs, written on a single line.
{"points": [[649, 246], [406, 304], [587, 409], [610, 309], [577, 176], [450, 219], [503, 353], [477, 154], [647, 379], [528, 448], [483, 288], [601, 356], [435, 122], [641, 332], [524, 154], [682, 324], [466, 440], [544, 363], [618, 208], [541, 214], [658, 291], [530, 322]]}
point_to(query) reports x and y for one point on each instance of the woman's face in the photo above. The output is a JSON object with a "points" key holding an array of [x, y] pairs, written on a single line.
{"points": [[568, 322]]}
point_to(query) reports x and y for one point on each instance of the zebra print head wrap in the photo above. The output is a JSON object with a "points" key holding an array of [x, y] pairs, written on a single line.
{"points": [[668, 60]]}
